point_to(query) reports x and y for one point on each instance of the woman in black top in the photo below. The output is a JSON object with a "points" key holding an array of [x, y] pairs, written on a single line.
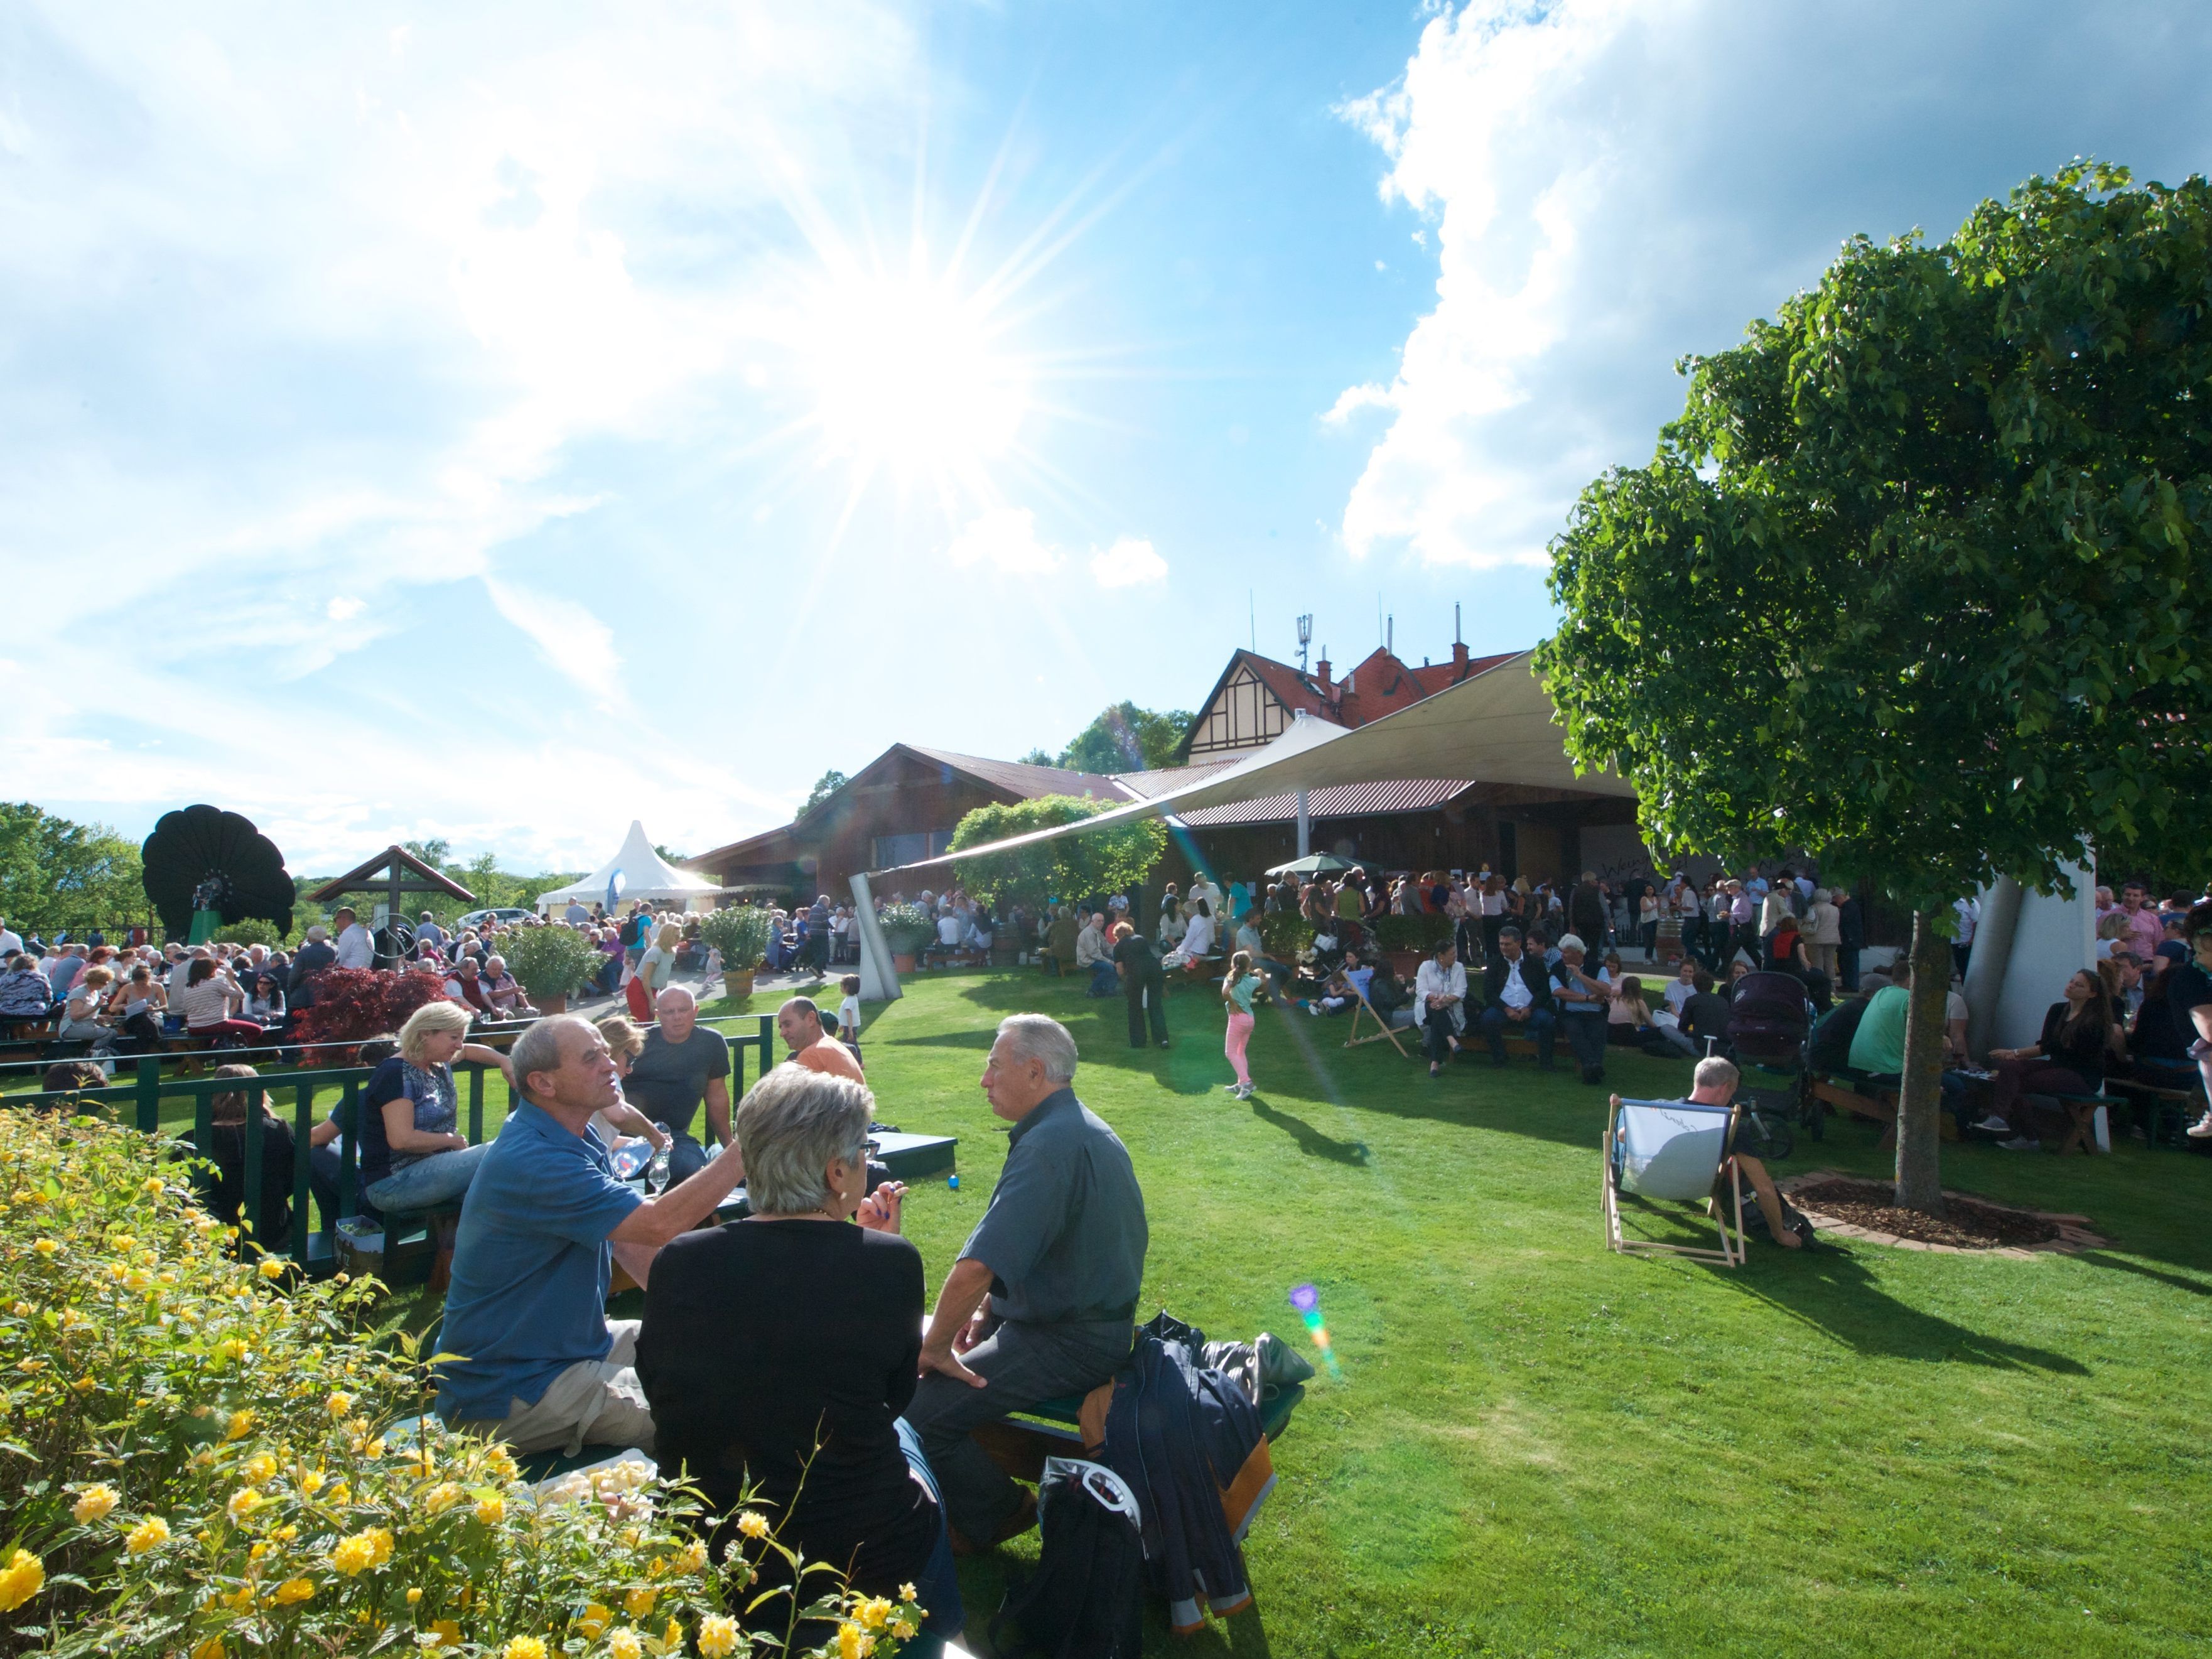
{"points": [[2069, 1059], [779, 1352], [223, 1190]]}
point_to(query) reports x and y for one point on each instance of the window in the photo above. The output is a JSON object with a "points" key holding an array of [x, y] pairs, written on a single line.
{"points": [[886, 852]]}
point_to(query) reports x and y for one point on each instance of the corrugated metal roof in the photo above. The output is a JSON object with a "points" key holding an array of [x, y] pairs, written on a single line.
{"points": [[1143, 785], [1348, 800]]}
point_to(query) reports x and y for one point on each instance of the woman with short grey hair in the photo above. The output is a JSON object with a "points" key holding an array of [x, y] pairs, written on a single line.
{"points": [[778, 1352]]}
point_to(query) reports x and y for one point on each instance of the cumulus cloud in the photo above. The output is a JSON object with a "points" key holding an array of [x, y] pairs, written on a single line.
{"points": [[1611, 185], [1003, 539], [1130, 563], [344, 608]]}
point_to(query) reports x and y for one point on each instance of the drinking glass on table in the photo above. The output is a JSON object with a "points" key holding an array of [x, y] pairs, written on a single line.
{"points": [[656, 1173]]}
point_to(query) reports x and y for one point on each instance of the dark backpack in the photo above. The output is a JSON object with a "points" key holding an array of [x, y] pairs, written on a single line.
{"points": [[1767, 1021], [1084, 1600], [1830, 1048]]}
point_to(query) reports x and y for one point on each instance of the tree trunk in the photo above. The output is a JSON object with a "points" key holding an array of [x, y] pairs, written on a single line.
{"points": [[1920, 1102]]}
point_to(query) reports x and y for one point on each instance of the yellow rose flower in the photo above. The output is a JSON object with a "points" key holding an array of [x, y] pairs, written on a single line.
{"points": [[22, 1310], [243, 1502], [379, 1543], [152, 1184], [339, 1404], [84, 1385], [491, 1511], [625, 1644], [119, 1271], [523, 1647], [272, 1267], [46, 1247], [447, 1630], [210, 1649], [717, 1636], [354, 1555], [342, 1493], [671, 1639], [295, 1589], [853, 1643], [310, 1481], [693, 1558], [288, 1534], [239, 1600], [904, 1629], [374, 1447], [639, 1602], [93, 1505], [502, 1464], [148, 1534], [594, 1619], [413, 1594], [240, 1425], [257, 1470], [23, 1578], [236, 1347], [441, 1497], [752, 1523], [906, 1592], [874, 1614]]}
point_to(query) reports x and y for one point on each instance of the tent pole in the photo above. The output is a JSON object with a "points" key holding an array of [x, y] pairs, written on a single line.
{"points": [[879, 980], [1305, 827]]}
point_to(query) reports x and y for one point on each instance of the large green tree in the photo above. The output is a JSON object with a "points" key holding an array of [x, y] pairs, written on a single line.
{"points": [[57, 874], [1126, 738], [1918, 581], [1073, 866]]}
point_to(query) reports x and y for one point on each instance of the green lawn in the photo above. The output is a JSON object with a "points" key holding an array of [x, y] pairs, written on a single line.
{"points": [[1541, 1448]]}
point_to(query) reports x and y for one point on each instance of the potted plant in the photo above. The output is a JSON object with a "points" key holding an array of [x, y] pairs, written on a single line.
{"points": [[552, 961], [906, 929], [740, 934], [1406, 939]]}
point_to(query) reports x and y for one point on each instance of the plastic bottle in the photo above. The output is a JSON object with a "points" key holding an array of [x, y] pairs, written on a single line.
{"points": [[656, 1173]]}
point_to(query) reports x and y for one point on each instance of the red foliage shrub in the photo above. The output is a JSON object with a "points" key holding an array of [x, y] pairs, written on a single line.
{"points": [[353, 1004]]}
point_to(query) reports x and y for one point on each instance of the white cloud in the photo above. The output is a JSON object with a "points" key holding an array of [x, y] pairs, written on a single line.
{"points": [[567, 637], [1003, 540], [1130, 563], [1611, 185], [344, 608]]}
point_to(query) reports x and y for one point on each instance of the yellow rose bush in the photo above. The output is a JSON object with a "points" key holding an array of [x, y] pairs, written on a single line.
{"points": [[203, 1462]]}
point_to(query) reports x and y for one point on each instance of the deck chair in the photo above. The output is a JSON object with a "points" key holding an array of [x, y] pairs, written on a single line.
{"points": [[1674, 1150], [1383, 1031]]}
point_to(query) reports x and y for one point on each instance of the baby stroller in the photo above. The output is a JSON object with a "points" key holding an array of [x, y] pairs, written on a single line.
{"points": [[1768, 1022]]}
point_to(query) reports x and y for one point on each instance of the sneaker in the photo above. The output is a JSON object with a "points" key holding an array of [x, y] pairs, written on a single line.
{"points": [[2018, 1144], [1232, 1088], [1994, 1125], [2201, 1129], [1314, 1008], [1245, 1092]]}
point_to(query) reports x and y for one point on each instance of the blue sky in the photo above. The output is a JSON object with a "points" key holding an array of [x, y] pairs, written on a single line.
{"points": [[498, 425]]}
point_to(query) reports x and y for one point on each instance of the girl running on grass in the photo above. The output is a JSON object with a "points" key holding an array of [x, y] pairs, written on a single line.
{"points": [[1238, 987]]}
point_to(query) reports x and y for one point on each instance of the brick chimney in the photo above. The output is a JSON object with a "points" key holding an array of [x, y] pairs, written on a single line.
{"points": [[1321, 672], [1459, 655]]}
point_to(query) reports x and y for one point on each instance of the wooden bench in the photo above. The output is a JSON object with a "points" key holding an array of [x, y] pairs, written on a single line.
{"points": [[2157, 1106], [1019, 1442], [1846, 1096]]}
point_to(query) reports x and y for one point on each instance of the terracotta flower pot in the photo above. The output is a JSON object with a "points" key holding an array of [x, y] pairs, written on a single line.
{"points": [[737, 984], [903, 963], [556, 1004]]}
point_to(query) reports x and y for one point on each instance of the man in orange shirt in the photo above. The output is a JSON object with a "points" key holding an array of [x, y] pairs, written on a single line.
{"points": [[798, 1022]]}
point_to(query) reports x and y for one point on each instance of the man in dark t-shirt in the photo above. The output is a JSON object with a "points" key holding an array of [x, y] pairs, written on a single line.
{"points": [[684, 1064], [1143, 984]]}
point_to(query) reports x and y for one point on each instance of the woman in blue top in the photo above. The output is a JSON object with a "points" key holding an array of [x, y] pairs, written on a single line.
{"points": [[1238, 987], [412, 1157]]}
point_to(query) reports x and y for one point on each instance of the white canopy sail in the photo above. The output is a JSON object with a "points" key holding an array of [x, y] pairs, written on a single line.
{"points": [[645, 874]]}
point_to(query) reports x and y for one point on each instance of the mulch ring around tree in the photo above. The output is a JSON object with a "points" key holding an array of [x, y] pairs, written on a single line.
{"points": [[1846, 1208]]}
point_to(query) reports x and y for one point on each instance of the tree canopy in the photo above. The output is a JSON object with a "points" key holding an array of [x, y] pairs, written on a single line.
{"points": [[824, 787], [58, 875], [1074, 866], [1916, 581], [1126, 738]]}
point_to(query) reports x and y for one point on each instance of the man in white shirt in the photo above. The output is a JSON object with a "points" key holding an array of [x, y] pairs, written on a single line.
{"points": [[10, 939], [1202, 887], [355, 947], [1440, 1003]]}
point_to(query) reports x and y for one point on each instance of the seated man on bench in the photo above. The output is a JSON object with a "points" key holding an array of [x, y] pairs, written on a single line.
{"points": [[544, 1368], [1043, 1300], [1517, 999]]}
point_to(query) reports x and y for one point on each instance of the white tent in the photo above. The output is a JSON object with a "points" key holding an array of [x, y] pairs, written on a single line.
{"points": [[645, 874]]}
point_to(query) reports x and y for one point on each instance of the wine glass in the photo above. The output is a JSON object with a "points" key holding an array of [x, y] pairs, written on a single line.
{"points": [[656, 1172]]}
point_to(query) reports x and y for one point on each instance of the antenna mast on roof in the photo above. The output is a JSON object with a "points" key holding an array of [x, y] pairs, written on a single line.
{"points": [[1305, 639], [1390, 636], [1455, 639]]}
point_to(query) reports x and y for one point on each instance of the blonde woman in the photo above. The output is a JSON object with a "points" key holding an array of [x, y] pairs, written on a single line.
{"points": [[621, 1123], [413, 1156]]}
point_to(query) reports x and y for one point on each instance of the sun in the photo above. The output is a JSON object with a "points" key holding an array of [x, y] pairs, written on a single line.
{"points": [[906, 377]]}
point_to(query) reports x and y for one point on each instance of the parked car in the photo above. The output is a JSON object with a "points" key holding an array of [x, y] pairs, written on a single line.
{"points": [[485, 920]]}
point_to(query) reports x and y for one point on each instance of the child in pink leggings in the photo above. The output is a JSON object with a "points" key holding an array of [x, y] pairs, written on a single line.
{"points": [[1238, 987]]}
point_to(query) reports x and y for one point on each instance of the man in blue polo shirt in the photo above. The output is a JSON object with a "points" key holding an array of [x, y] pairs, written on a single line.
{"points": [[545, 1366]]}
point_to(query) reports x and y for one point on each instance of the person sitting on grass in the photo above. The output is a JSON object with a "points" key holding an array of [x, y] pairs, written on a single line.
{"points": [[1517, 994], [1628, 1017], [1714, 1084], [545, 1367], [777, 1353], [1440, 1002], [1042, 1300], [223, 1191]]}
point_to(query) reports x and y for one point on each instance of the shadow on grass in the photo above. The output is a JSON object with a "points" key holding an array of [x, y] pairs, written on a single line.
{"points": [[1311, 1141], [2179, 1281], [1831, 1291]]}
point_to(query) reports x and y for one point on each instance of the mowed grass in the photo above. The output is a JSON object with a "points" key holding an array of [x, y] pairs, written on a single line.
{"points": [[1539, 1447]]}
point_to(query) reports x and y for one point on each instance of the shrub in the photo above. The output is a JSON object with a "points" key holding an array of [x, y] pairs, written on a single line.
{"points": [[1284, 933], [552, 960], [355, 1004], [252, 931], [1423, 932], [206, 1461], [740, 934], [906, 929]]}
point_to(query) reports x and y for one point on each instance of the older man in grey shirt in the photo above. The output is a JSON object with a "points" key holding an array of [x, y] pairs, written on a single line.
{"points": [[1043, 1300]]}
